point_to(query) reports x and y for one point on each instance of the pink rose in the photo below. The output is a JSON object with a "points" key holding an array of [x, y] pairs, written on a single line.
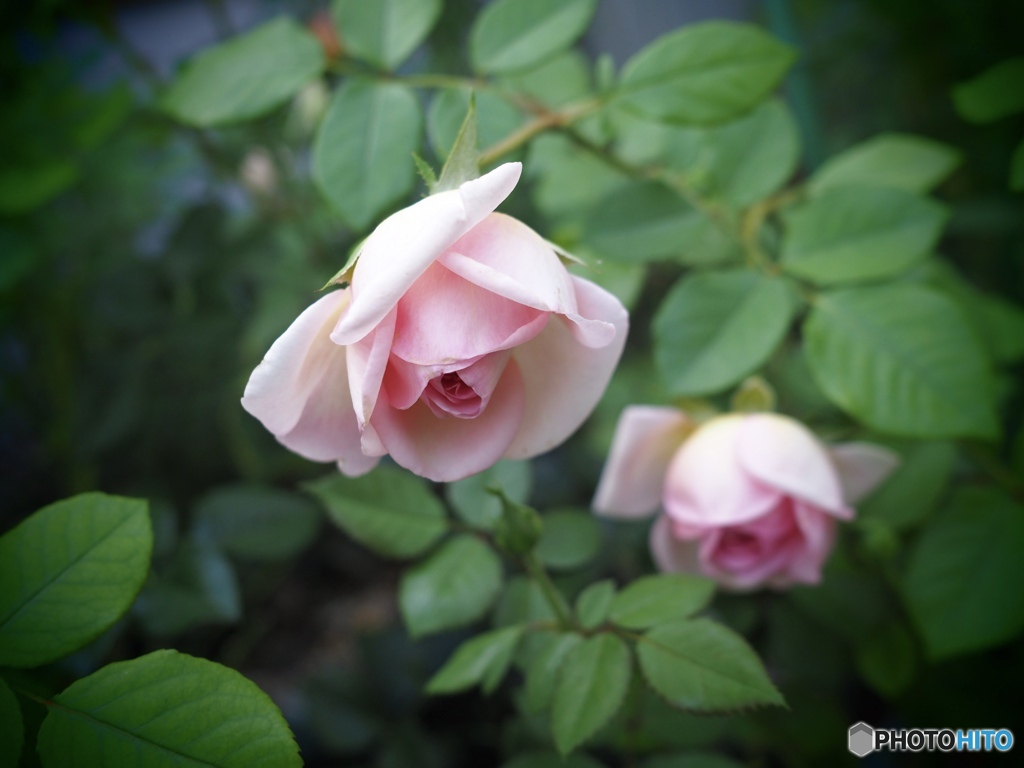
{"points": [[461, 340], [748, 499]]}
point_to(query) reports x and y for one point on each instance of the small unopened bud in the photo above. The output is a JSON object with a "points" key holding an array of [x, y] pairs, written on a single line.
{"points": [[519, 527], [753, 396], [258, 172]]}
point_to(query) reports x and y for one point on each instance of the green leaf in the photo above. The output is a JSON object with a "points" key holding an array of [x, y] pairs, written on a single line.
{"points": [[658, 599], [962, 576], [474, 504], [24, 188], [591, 685], [593, 603], [496, 119], [556, 82], [1017, 168], [543, 668], [642, 221], [752, 157], [551, 160], [384, 32], [704, 73], [700, 665], [569, 539], [513, 35], [246, 76], [995, 93], [166, 709], [998, 322], [908, 496], [67, 573], [12, 728], [849, 234], [257, 522], [901, 358], [362, 155], [898, 160], [715, 328], [453, 587], [887, 659], [485, 656], [390, 511]]}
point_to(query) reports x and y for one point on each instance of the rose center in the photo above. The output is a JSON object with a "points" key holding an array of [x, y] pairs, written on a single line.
{"points": [[449, 395]]}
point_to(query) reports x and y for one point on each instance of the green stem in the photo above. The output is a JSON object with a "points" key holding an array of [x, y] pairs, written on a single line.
{"points": [[537, 572], [544, 121]]}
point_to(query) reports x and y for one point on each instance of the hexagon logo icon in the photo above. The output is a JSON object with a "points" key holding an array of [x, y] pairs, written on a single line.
{"points": [[861, 739]]}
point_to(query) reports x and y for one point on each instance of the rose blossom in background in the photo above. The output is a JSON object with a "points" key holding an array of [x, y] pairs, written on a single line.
{"points": [[749, 500], [461, 340]]}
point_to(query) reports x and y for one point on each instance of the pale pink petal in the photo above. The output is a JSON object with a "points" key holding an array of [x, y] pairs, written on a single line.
{"points": [[862, 467], [367, 360], [404, 382], [443, 318], [565, 379], [645, 439], [672, 555], [293, 367], [509, 259], [783, 454], [401, 248], [327, 429], [447, 448], [705, 485], [819, 533]]}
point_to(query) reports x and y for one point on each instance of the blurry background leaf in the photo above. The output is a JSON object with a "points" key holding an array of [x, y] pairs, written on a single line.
{"points": [[641, 221], [454, 586], [715, 328], [704, 73], [913, 163], [555, 82], [908, 495], [472, 501], [887, 659], [246, 76], [384, 32], [198, 586], [752, 157], [362, 157], [995, 93], [12, 735], [552, 760], [849, 234], [959, 576], [900, 358], [512, 35], [69, 572], [257, 522], [496, 118], [389, 510], [126, 699], [569, 539]]}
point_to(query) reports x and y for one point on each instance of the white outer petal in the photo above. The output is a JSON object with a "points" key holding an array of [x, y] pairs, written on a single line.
{"points": [[646, 438]]}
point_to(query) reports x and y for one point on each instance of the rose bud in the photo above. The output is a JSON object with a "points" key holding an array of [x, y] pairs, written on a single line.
{"points": [[461, 340], [749, 500]]}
